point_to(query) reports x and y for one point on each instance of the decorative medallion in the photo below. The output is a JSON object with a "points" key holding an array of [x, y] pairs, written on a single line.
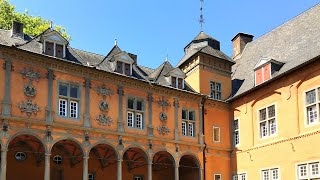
{"points": [[28, 107], [104, 120], [104, 106], [29, 90], [104, 91], [163, 117], [163, 103], [163, 130], [30, 74]]}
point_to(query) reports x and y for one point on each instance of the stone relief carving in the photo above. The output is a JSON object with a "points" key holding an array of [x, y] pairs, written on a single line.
{"points": [[163, 103], [104, 120], [163, 117], [30, 74], [104, 106], [29, 90], [28, 107], [163, 130], [104, 91]]}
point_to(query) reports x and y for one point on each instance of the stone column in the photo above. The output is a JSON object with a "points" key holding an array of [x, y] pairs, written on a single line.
{"points": [[176, 172], [47, 167], [200, 138], [200, 174], [3, 164], [176, 121], [49, 110], [87, 104], [150, 170], [120, 115], [85, 168], [6, 101], [150, 127], [119, 169]]}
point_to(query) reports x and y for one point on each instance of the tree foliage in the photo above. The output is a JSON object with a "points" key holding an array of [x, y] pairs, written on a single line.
{"points": [[33, 25]]}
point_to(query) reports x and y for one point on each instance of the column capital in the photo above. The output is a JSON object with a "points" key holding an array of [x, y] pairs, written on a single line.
{"points": [[47, 154], [4, 150]]}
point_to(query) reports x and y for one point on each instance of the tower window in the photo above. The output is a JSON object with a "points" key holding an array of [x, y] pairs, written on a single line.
{"points": [[215, 90]]}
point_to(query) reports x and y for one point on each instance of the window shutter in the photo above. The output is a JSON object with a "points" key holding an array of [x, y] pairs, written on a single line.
{"points": [[49, 48]]}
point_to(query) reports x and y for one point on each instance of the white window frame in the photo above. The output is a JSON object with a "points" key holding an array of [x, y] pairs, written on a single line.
{"points": [[136, 113], [239, 176], [214, 91], [316, 104], [68, 100], [236, 131], [214, 128], [267, 121], [309, 175], [188, 122], [214, 176], [270, 173]]}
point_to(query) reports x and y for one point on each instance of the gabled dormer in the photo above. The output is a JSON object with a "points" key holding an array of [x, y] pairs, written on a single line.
{"points": [[54, 44], [121, 61], [265, 69], [176, 78]]}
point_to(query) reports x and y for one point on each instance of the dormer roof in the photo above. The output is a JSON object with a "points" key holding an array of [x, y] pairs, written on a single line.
{"points": [[265, 60]]}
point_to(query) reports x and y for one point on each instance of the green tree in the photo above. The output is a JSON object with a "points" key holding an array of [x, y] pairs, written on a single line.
{"points": [[33, 25]]}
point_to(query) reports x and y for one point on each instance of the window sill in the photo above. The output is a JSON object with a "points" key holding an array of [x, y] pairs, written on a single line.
{"points": [[268, 137], [138, 129], [68, 118], [312, 124]]}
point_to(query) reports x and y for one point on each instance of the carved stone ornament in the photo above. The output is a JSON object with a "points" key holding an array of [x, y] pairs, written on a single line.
{"points": [[163, 103], [29, 90], [104, 106], [163, 130], [163, 117], [104, 91], [104, 120], [30, 74], [28, 107]]}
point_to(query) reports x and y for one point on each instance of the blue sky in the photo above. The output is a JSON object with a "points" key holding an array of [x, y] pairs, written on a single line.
{"points": [[151, 29]]}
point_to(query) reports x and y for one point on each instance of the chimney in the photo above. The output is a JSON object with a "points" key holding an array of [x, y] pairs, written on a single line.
{"points": [[17, 29], [239, 42]]}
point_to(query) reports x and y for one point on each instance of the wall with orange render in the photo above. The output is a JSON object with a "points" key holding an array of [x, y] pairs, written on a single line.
{"points": [[294, 139]]}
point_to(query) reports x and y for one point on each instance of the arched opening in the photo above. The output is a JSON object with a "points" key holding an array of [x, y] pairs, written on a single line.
{"points": [[163, 166], [189, 168], [102, 162], [25, 158], [66, 160], [134, 164]]}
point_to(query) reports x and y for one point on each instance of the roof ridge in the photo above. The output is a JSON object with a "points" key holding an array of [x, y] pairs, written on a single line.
{"points": [[286, 22]]}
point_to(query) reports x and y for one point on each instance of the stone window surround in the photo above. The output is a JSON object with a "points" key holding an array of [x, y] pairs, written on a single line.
{"points": [[195, 120], [177, 80], [123, 66], [68, 108], [54, 47], [217, 174], [143, 112], [214, 128], [267, 119]]}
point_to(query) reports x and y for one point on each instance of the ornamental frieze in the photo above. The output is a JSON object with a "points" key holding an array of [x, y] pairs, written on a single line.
{"points": [[102, 90], [28, 107], [163, 130], [104, 120], [30, 74]]}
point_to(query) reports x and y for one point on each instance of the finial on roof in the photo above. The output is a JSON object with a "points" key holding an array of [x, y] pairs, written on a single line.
{"points": [[201, 20], [51, 25], [115, 41], [167, 56]]}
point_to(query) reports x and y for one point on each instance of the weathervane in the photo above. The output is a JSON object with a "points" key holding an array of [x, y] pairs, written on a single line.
{"points": [[201, 20]]}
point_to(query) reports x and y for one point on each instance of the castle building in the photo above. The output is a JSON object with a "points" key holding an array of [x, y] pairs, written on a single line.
{"points": [[71, 114]]}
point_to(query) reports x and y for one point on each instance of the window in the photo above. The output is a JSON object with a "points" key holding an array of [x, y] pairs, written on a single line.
{"points": [[135, 112], [215, 90], [137, 178], [91, 176], [308, 171], [53, 49], [270, 174], [267, 121], [188, 123], [217, 177], [236, 135], [57, 159], [216, 134], [242, 176], [123, 68], [20, 156], [69, 100], [313, 106], [177, 82]]}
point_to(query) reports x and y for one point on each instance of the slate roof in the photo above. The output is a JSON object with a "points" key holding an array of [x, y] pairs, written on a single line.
{"points": [[293, 43], [101, 62], [208, 49]]}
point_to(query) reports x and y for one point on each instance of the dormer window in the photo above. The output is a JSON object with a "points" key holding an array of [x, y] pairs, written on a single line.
{"points": [[54, 49], [265, 69], [177, 82], [124, 68]]}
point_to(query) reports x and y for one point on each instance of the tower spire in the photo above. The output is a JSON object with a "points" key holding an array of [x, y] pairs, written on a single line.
{"points": [[201, 20]]}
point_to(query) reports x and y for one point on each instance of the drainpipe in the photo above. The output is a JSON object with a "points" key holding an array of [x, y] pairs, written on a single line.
{"points": [[204, 141]]}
